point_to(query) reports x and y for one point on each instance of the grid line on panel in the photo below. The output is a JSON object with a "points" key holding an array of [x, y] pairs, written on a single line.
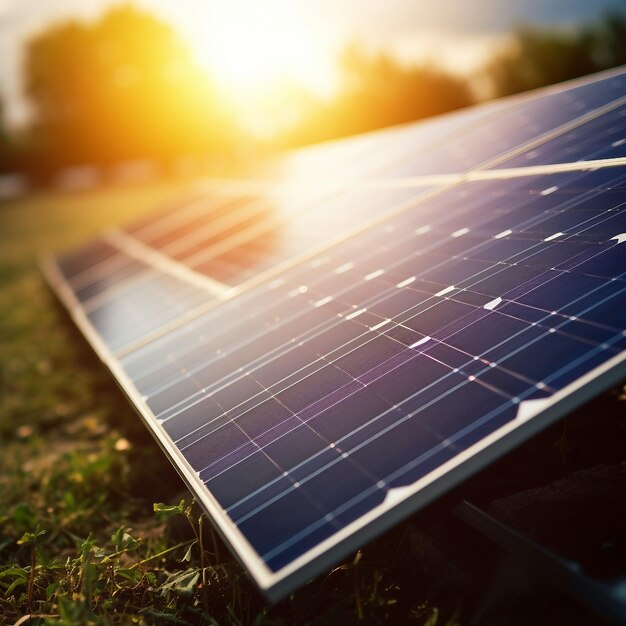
{"points": [[216, 227], [415, 354], [136, 248], [301, 207], [160, 257], [196, 202], [310, 338], [504, 233], [597, 139], [266, 276], [105, 268], [478, 356], [212, 197], [533, 324], [382, 295], [349, 434], [381, 484], [476, 175], [564, 128], [324, 302], [306, 422], [260, 449], [279, 269]]}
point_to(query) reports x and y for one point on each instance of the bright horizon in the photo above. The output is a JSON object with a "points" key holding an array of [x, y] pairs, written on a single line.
{"points": [[242, 44]]}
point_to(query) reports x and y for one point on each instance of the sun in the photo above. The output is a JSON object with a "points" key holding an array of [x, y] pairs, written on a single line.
{"points": [[252, 49]]}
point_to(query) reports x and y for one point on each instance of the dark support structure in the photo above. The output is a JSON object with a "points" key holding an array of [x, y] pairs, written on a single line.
{"points": [[607, 599]]}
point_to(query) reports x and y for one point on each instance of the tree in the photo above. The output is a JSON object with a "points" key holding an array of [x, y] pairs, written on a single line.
{"points": [[609, 36], [7, 156], [377, 92], [538, 57], [3, 130], [123, 87]]}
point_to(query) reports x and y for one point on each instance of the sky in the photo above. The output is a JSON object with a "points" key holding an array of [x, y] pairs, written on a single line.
{"points": [[247, 45]]}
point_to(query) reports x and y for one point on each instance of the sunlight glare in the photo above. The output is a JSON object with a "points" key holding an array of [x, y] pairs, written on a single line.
{"points": [[252, 46]]}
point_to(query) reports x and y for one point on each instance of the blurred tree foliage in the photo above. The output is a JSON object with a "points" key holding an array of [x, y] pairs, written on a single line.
{"points": [[123, 87], [378, 91], [10, 149], [126, 87], [538, 57], [4, 140]]}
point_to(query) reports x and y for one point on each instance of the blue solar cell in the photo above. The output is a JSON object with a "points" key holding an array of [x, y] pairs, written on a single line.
{"points": [[85, 258], [318, 363], [131, 313], [600, 138]]}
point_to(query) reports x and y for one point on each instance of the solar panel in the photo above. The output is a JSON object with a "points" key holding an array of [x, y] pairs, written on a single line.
{"points": [[323, 348]]}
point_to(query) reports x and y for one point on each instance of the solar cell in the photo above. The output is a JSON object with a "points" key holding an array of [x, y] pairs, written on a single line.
{"points": [[325, 348]]}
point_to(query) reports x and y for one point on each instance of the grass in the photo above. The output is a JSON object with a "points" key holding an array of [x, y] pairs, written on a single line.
{"points": [[96, 527]]}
